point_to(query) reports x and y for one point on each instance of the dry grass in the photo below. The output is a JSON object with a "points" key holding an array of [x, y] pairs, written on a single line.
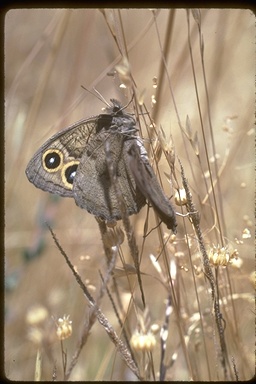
{"points": [[49, 54]]}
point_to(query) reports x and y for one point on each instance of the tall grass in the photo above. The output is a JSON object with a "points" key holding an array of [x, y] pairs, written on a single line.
{"points": [[139, 302]]}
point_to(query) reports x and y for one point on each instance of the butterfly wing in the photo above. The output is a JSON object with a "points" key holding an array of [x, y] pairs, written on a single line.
{"points": [[93, 186], [54, 165], [147, 183]]}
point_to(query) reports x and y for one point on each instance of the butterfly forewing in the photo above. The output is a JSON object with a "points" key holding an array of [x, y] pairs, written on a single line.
{"points": [[147, 182]]}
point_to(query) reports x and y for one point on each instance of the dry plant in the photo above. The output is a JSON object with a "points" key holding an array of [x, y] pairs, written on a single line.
{"points": [[89, 302]]}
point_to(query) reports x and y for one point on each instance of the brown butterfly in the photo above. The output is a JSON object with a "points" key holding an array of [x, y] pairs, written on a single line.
{"points": [[73, 163]]}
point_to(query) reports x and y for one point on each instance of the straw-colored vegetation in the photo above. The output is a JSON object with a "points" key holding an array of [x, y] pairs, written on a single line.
{"points": [[184, 309]]}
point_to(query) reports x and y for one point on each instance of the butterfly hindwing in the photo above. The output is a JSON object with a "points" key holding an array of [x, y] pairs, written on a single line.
{"points": [[54, 165], [94, 189]]}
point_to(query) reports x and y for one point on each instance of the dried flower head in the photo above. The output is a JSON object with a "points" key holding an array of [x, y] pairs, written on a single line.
{"points": [[143, 342], [180, 197], [64, 327], [246, 234], [143, 338], [167, 145], [153, 99], [222, 256], [123, 69]]}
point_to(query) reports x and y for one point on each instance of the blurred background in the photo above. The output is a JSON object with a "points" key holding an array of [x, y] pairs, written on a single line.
{"points": [[49, 55]]}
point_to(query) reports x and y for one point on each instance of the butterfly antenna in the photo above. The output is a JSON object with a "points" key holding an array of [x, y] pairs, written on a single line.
{"points": [[127, 105], [98, 95]]}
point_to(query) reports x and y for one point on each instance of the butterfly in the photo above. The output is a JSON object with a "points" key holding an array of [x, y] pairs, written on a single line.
{"points": [[74, 163]]}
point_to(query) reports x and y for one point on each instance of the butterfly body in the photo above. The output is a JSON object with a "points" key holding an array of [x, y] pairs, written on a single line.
{"points": [[75, 163]]}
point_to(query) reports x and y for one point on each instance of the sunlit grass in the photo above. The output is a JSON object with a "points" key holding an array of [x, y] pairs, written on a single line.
{"points": [[192, 76]]}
